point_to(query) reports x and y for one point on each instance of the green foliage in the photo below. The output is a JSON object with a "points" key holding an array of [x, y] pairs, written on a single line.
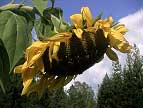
{"points": [[40, 5], [124, 88], [15, 36], [4, 66], [80, 95]]}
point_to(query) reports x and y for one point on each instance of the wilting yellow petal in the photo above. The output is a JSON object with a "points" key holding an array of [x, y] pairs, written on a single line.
{"points": [[85, 11], [105, 33], [28, 76], [60, 37], [117, 41], [40, 65], [35, 51], [38, 87], [76, 20], [78, 33], [55, 50], [18, 69], [124, 47], [50, 51], [111, 54], [121, 28]]}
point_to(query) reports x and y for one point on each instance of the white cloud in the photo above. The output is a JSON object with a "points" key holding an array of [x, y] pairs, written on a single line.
{"points": [[94, 75], [134, 23]]}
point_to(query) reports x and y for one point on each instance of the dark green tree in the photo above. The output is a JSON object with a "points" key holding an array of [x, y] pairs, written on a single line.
{"points": [[126, 85], [104, 97], [80, 95]]}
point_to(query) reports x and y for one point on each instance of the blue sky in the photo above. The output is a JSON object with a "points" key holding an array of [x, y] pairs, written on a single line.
{"points": [[115, 8]]}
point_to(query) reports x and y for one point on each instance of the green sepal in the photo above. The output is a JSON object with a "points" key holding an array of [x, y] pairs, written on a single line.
{"points": [[111, 54]]}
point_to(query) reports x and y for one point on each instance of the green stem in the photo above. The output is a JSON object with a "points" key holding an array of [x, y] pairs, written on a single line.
{"points": [[15, 6]]}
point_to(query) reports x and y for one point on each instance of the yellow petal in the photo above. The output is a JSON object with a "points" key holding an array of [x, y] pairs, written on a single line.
{"points": [[28, 76], [105, 33], [121, 28], [85, 11], [76, 20], [124, 47], [38, 87], [35, 51], [55, 50], [78, 33], [18, 69], [50, 51], [40, 65], [117, 41], [60, 37], [111, 54], [109, 20]]}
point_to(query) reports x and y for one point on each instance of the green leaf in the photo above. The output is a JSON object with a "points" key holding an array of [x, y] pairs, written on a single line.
{"points": [[57, 12], [14, 32], [43, 30], [111, 54], [40, 5], [59, 25], [4, 66]]}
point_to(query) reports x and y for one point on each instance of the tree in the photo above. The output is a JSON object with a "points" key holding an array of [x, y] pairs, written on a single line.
{"points": [[80, 95], [104, 97], [126, 84]]}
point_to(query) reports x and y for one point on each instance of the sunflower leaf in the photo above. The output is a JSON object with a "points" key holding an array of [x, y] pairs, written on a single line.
{"points": [[40, 5], [4, 66], [15, 34]]}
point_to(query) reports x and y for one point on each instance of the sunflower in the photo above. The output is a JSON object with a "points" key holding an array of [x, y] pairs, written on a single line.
{"points": [[114, 35], [53, 62]]}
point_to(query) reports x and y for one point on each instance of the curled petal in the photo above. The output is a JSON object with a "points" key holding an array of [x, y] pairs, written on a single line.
{"points": [[76, 20], [60, 37], [27, 77], [85, 11], [121, 28], [35, 51], [78, 33], [21, 68], [18, 69], [55, 50], [117, 41]]}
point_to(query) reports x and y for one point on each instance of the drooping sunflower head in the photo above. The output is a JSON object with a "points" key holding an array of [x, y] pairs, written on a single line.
{"points": [[53, 62]]}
